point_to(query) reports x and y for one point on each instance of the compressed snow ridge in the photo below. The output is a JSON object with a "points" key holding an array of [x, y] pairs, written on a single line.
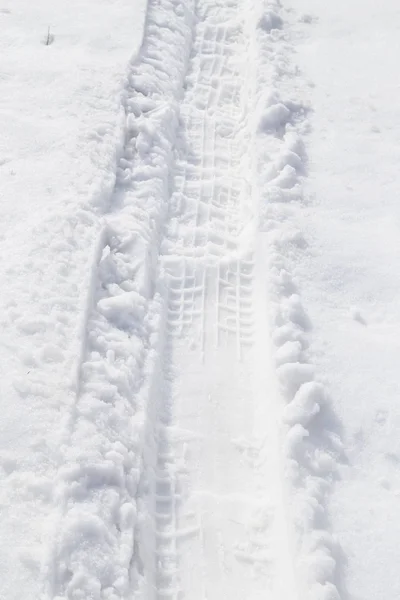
{"points": [[312, 447], [93, 550]]}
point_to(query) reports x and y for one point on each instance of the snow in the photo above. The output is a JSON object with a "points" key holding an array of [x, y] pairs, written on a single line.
{"points": [[348, 272], [200, 310], [60, 119]]}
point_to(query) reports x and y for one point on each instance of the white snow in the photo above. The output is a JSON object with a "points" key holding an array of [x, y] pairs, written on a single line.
{"points": [[199, 317], [349, 51], [61, 131]]}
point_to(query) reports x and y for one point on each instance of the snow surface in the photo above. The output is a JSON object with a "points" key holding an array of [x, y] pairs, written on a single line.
{"points": [[61, 129], [200, 309], [349, 273]]}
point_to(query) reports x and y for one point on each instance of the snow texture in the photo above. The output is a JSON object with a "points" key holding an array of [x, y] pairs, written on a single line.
{"points": [[175, 402]]}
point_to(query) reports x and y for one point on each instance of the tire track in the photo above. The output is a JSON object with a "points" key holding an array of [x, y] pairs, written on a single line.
{"points": [[169, 482], [218, 504]]}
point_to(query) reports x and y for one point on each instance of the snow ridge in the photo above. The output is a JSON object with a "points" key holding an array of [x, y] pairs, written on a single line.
{"points": [[93, 547], [311, 445]]}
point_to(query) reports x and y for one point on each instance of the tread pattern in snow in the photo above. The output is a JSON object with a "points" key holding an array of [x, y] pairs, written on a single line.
{"points": [[211, 200], [169, 482], [211, 538]]}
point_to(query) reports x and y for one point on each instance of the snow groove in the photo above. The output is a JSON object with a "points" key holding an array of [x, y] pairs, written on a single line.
{"points": [[170, 480], [218, 529]]}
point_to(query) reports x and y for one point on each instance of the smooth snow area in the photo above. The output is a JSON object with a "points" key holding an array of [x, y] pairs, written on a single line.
{"points": [[349, 274], [199, 317]]}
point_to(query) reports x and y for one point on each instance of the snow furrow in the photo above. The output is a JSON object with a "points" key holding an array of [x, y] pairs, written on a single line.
{"points": [[220, 527]]}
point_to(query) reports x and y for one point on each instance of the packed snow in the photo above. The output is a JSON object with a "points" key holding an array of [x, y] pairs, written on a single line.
{"points": [[199, 318]]}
